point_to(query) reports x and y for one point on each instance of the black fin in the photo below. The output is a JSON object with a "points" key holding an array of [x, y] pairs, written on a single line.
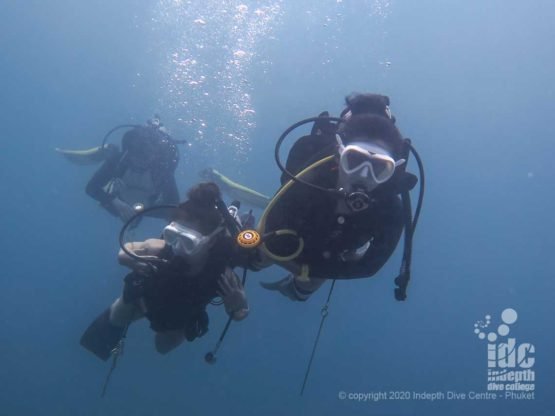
{"points": [[101, 337]]}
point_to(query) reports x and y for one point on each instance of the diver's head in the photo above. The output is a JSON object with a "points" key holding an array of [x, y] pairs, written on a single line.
{"points": [[370, 152], [196, 225], [373, 128], [358, 103]]}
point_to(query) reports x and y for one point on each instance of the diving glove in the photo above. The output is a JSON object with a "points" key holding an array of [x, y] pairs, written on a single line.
{"points": [[233, 295]]}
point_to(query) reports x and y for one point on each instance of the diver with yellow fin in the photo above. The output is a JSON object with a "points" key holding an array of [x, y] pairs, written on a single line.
{"points": [[140, 175], [344, 201]]}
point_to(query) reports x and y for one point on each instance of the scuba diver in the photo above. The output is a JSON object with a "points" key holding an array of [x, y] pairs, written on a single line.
{"points": [[174, 278], [344, 200], [136, 177]]}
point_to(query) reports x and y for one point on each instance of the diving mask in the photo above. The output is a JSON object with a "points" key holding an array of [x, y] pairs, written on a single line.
{"points": [[367, 161], [362, 167], [187, 242]]}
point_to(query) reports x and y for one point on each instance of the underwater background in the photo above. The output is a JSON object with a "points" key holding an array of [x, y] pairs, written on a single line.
{"points": [[470, 82]]}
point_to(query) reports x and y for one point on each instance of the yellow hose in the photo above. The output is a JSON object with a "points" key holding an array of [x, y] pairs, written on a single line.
{"points": [[262, 224]]}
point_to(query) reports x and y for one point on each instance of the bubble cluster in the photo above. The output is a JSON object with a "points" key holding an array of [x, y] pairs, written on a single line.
{"points": [[381, 8], [214, 49], [211, 48], [508, 316]]}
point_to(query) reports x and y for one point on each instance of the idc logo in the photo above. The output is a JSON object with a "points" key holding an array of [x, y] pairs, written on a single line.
{"points": [[509, 363]]}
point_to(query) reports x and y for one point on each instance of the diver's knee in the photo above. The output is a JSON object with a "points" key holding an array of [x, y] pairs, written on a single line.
{"points": [[122, 313]]}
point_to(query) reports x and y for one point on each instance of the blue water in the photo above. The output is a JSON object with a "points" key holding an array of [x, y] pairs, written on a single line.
{"points": [[470, 82]]}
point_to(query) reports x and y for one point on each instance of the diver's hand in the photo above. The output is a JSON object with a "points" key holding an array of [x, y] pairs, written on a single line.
{"points": [[233, 295], [148, 255], [124, 210]]}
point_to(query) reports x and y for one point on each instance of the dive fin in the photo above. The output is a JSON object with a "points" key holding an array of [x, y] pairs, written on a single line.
{"points": [[101, 337], [235, 190], [88, 156]]}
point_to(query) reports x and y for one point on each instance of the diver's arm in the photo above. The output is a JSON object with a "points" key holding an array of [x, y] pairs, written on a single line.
{"points": [[95, 187], [150, 248]]}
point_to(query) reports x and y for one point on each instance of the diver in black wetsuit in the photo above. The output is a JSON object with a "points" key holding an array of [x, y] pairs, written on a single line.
{"points": [[140, 175], [193, 266], [351, 225]]}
